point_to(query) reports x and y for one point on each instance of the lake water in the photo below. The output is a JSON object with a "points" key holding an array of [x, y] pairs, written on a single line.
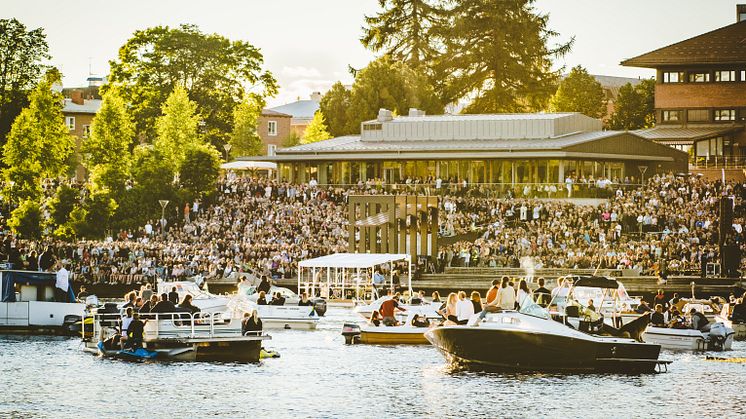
{"points": [[318, 376]]}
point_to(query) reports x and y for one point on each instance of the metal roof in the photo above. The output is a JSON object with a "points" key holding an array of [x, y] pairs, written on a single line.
{"points": [[270, 112], [301, 109], [89, 106], [480, 117], [662, 133]]}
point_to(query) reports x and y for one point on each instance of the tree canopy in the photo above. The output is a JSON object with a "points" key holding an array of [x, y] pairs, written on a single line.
{"points": [[634, 107], [334, 106], [316, 131], [579, 92], [178, 126], [22, 52], [245, 140], [199, 171], [112, 133], [214, 71]]}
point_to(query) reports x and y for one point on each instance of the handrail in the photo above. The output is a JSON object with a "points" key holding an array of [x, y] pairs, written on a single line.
{"points": [[193, 319]]}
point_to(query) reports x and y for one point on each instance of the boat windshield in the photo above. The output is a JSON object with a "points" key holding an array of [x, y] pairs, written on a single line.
{"points": [[530, 308]]}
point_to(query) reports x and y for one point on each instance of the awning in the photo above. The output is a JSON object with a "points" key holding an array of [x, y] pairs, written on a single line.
{"points": [[249, 165], [10, 278], [353, 260], [678, 135]]}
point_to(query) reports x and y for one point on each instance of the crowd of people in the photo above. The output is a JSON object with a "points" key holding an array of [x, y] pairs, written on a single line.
{"points": [[264, 226]]}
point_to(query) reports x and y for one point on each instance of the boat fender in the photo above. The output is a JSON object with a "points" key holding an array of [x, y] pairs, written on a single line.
{"points": [[264, 353]]}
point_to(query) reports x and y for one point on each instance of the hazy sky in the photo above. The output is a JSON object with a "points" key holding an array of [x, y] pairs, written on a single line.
{"points": [[308, 44]]}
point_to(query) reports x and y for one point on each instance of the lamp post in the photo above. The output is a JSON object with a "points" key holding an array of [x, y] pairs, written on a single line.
{"points": [[163, 203], [227, 147], [642, 170]]}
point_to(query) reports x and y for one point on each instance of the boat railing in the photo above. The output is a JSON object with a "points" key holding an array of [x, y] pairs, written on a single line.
{"points": [[173, 325]]}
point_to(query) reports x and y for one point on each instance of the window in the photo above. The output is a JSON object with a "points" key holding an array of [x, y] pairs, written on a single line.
{"points": [[671, 116], [86, 131], [698, 115], [70, 122], [272, 128], [743, 75], [727, 75], [699, 77], [673, 77], [725, 114], [372, 127]]}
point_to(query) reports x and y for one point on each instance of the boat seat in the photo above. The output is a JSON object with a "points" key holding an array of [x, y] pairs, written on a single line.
{"points": [[572, 311]]}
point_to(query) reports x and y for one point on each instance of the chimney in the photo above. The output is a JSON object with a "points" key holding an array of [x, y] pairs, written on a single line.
{"points": [[316, 96], [384, 115], [416, 112], [77, 97], [740, 12]]}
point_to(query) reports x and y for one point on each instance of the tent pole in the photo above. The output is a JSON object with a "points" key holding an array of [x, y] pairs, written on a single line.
{"points": [[300, 269], [409, 273]]}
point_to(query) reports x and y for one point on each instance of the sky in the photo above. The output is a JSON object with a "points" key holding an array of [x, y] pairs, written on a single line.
{"points": [[309, 44]]}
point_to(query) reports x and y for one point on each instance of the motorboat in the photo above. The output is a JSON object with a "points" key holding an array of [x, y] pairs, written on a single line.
{"points": [[27, 304], [719, 337], [291, 298], [530, 339], [739, 327], [404, 334], [273, 317], [615, 303], [203, 336], [429, 309]]}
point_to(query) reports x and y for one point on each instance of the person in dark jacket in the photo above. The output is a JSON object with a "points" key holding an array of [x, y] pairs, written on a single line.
{"points": [[304, 301], [173, 296], [657, 318], [46, 260], [164, 306], [251, 323], [277, 300], [264, 285], [186, 304], [739, 311], [262, 300]]}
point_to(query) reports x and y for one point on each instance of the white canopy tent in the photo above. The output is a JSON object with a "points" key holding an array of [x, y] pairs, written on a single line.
{"points": [[335, 273], [249, 165]]}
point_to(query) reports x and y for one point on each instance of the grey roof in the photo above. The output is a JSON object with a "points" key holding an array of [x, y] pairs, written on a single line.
{"points": [[664, 133], [481, 117], [301, 109], [89, 106], [355, 144], [270, 112]]}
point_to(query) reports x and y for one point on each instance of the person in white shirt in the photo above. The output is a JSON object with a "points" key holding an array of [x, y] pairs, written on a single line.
{"points": [[62, 283], [464, 308], [506, 296], [148, 228]]}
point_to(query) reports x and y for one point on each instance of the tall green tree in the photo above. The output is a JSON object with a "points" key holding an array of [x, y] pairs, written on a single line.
{"points": [[39, 143], [214, 70], [245, 140], [392, 85], [403, 30], [22, 52], [199, 170], [634, 107], [334, 106], [316, 131], [178, 127], [579, 92], [112, 133], [26, 220], [497, 56]]}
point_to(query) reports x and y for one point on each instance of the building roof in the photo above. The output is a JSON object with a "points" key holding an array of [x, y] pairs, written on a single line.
{"points": [[299, 110], [687, 134], [90, 106], [721, 46], [270, 112]]}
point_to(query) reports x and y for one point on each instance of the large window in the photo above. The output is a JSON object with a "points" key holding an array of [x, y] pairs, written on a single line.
{"points": [[725, 114], [699, 77], [726, 75], [673, 77], [272, 128], [698, 115], [671, 116]]}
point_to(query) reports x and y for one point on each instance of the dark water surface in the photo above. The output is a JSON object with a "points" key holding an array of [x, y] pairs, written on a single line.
{"points": [[318, 376]]}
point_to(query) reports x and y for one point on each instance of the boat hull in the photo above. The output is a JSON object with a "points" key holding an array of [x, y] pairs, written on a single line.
{"points": [[373, 337], [684, 339], [517, 350], [212, 351], [290, 323]]}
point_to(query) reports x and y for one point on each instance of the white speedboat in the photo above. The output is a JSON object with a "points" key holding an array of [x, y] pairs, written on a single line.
{"points": [[273, 317], [27, 305], [430, 310], [530, 340], [718, 338], [291, 298]]}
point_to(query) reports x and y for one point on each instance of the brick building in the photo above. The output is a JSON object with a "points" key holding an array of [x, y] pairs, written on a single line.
{"points": [[700, 95], [301, 112], [273, 127]]}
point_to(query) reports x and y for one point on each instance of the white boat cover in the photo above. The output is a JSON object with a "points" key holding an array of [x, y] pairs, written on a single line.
{"points": [[353, 260]]}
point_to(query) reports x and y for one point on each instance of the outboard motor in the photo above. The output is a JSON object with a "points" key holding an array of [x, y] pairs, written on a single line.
{"points": [[72, 325], [717, 337], [319, 306], [351, 332]]}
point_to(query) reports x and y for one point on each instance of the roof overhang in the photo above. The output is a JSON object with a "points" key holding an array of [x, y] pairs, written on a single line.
{"points": [[459, 155]]}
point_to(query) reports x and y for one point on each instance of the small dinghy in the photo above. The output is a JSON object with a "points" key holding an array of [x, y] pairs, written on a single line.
{"points": [[129, 354]]}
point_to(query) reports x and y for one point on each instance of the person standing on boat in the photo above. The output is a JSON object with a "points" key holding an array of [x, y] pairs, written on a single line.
{"points": [[135, 331], [388, 310], [126, 320], [62, 283], [464, 309], [173, 296], [542, 294]]}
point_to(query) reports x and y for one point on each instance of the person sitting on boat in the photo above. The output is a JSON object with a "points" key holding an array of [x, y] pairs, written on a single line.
{"points": [[135, 332], [699, 321], [523, 293], [251, 323], [262, 300], [375, 318], [126, 320], [304, 301], [388, 310], [476, 301], [590, 306], [643, 307], [656, 318], [436, 297], [506, 295], [674, 300], [277, 300], [149, 304], [492, 292], [542, 294], [130, 298], [164, 305], [739, 311], [420, 321], [82, 294], [464, 309], [186, 304], [677, 320]]}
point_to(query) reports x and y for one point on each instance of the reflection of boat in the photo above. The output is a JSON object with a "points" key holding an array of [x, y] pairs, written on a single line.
{"points": [[369, 333], [178, 336], [718, 338], [430, 310], [273, 317], [529, 339], [27, 305]]}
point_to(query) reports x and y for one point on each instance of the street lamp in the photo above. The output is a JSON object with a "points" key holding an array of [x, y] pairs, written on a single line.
{"points": [[227, 147], [642, 170], [163, 203]]}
